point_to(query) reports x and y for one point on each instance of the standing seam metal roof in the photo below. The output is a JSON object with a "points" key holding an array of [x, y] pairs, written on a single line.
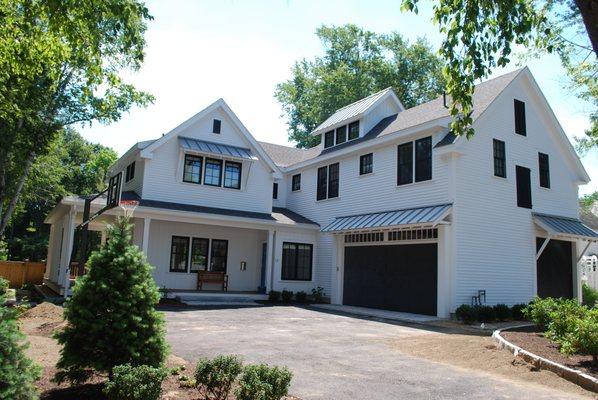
{"points": [[216, 148], [565, 225], [386, 219]]}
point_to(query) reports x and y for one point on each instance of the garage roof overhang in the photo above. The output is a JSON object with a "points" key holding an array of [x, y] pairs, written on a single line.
{"points": [[564, 227], [420, 217]]}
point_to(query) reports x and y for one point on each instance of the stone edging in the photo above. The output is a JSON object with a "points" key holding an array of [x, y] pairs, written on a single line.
{"points": [[584, 380]]}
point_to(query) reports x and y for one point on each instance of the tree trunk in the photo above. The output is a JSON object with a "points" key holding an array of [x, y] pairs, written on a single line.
{"points": [[589, 13], [15, 196]]}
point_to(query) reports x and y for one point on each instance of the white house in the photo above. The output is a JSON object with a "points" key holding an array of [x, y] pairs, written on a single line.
{"points": [[390, 211]]}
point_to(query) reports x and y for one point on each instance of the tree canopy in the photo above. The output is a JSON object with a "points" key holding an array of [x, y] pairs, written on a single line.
{"points": [[481, 35], [355, 64], [60, 63], [72, 166]]}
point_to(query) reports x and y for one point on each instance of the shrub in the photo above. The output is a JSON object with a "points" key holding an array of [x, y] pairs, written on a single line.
{"points": [[112, 319], [301, 297], [466, 314], [485, 313], [261, 382], [502, 312], [287, 296], [538, 311], [562, 318], [318, 294], [17, 372], [274, 296], [589, 295], [517, 312], [218, 375], [135, 383], [583, 337]]}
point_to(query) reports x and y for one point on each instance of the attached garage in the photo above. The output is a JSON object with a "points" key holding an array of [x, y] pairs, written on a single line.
{"points": [[392, 277]]}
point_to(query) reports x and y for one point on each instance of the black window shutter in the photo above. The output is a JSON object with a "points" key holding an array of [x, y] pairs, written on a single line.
{"points": [[405, 164], [333, 180], [524, 187], [544, 167], [322, 183], [520, 127], [216, 126], [423, 159]]}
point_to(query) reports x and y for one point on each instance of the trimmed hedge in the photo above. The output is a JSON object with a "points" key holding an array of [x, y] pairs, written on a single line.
{"points": [[135, 383], [501, 312]]}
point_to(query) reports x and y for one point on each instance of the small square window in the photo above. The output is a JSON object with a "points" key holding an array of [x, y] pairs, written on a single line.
{"points": [[216, 126], [366, 164], [296, 184]]}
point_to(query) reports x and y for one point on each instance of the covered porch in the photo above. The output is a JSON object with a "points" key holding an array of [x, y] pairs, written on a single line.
{"points": [[180, 241]]}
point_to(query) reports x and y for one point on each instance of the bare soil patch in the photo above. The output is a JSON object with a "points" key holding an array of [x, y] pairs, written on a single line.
{"points": [[534, 341], [480, 354]]}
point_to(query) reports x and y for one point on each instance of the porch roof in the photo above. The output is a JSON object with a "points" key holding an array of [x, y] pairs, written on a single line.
{"points": [[557, 226], [429, 215], [219, 149]]}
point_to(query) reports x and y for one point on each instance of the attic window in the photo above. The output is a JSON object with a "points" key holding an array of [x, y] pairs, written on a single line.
{"points": [[216, 126], [130, 174]]}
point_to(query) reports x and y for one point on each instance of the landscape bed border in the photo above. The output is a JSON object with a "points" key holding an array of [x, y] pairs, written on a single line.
{"points": [[572, 375]]}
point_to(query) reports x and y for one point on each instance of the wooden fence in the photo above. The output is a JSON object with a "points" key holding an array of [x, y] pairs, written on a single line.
{"points": [[19, 273]]}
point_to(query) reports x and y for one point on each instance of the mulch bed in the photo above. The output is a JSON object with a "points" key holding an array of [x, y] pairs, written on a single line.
{"points": [[533, 340]]}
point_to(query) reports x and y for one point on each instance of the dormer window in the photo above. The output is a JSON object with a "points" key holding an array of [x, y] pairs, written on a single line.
{"points": [[130, 173], [216, 126], [213, 174], [328, 139], [341, 134], [353, 130]]}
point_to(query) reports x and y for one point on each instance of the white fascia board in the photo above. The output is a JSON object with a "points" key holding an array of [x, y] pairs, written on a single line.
{"points": [[435, 124]]}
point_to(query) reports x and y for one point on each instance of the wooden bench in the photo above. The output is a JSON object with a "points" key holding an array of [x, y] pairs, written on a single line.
{"points": [[212, 277]]}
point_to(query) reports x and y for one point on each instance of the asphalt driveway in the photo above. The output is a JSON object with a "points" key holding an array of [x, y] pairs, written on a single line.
{"points": [[334, 356]]}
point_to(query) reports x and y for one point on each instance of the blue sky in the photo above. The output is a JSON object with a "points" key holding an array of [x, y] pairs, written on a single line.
{"points": [[199, 51]]}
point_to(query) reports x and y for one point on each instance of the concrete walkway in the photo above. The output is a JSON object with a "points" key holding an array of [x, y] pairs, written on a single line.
{"points": [[335, 356], [375, 313]]}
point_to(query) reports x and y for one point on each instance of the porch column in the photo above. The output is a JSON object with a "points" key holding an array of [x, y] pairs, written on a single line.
{"points": [[146, 230], [338, 267], [50, 254], [269, 260], [67, 250]]}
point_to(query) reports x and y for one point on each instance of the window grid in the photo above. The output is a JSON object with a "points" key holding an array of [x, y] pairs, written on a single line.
{"points": [[322, 183], [413, 234], [353, 130], [199, 254], [219, 252], [500, 160], [405, 163], [341, 134], [232, 175], [130, 173], [364, 237], [213, 174], [366, 164], [179, 254], [328, 139], [423, 159], [333, 178], [192, 169], [296, 184], [296, 261]]}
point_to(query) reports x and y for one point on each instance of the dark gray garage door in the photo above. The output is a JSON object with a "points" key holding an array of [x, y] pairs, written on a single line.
{"points": [[394, 277], [555, 269]]}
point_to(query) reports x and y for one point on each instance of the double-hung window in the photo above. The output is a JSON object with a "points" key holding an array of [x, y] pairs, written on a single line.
{"points": [[296, 183], [130, 173], [405, 164], [296, 261], [322, 188], [218, 255], [544, 168], [353, 130], [366, 164], [423, 159], [500, 159], [328, 139], [179, 254], [232, 175], [341, 134], [192, 169], [333, 180], [213, 174], [199, 254]]}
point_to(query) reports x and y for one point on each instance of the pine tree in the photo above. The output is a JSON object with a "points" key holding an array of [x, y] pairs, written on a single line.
{"points": [[111, 315], [17, 372]]}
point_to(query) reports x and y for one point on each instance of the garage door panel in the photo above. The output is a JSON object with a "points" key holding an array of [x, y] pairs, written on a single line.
{"points": [[393, 277]]}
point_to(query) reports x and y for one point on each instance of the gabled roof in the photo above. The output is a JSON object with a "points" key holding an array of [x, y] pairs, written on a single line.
{"points": [[355, 110], [285, 156], [220, 103]]}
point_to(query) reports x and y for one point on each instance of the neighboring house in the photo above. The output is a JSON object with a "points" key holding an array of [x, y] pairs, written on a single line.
{"points": [[390, 211]]}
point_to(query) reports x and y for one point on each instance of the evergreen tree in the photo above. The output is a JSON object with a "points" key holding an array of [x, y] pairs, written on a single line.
{"points": [[111, 315], [17, 372]]}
